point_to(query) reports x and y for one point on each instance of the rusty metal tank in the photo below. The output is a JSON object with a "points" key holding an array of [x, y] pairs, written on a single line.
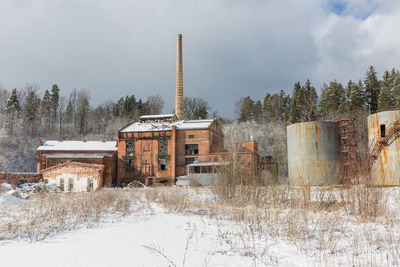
{"points": [[314, 153], [383, 132]]}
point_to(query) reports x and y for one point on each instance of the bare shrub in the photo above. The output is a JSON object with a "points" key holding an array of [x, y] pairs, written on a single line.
{"points": [[363, 201], [47, 214]]}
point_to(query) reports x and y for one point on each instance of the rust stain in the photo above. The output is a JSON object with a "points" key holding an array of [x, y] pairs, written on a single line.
{"points": [[317, 132], [298, 130]]}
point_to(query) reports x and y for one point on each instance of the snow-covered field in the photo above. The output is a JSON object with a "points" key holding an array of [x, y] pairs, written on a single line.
{"points": [[188, 227]]}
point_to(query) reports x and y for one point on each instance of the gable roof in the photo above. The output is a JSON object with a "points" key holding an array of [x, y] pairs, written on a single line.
{"points": [[51, 145], [75, 164]]}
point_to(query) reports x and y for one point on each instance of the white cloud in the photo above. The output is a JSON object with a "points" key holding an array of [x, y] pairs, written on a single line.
{"points": [[231, 48], [347, 45]]}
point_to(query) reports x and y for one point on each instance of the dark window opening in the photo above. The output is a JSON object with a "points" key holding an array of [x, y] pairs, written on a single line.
{"points": [[62, 184], [90, 185], [129, 164], [383, 130], [70, 184], [191, 136], [191, 149], [162, 164], [190, 160], [20, 182]]}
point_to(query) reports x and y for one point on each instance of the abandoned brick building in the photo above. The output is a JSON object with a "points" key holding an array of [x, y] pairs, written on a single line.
{"points": [[161, 147], [157, 148], [58, 155]]}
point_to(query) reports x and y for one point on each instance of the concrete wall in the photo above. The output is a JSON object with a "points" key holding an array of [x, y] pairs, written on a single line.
{"points": [[385, 168], [314, 153]]}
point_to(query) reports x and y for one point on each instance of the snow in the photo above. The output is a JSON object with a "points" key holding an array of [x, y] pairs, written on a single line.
{"points": [[123, 244], [137, 239], [6, 199], [51, 145], [167, 126]]}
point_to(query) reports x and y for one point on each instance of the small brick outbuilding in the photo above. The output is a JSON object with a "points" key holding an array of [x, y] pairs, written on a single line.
{"points": [[75, 176]]}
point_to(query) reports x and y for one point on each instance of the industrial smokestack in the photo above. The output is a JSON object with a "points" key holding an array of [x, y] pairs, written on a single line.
{"points": [[179, 80]]}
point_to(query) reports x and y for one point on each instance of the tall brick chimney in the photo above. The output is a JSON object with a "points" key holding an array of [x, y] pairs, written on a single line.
{"points": [[179, 80]]}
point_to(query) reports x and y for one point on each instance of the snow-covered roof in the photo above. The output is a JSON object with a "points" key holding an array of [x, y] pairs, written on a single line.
{"points": [[157, 116], [201, 164], [78, 145], [167, 126], [77, 155]]}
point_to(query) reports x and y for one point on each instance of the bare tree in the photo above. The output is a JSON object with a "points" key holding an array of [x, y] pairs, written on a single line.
{"points": [[195, 108], [154, 104]]}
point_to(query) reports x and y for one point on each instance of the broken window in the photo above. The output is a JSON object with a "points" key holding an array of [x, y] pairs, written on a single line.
{"points": [[190, 160], [130, 153], [130, 147], [62, 184], [191, 149], [90, 185], [162, 147], [54, 163], [70, 184], [162, 164], [383, 130]]}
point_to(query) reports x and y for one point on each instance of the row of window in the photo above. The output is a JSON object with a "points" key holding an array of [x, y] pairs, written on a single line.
{"points": [[56, 163]]}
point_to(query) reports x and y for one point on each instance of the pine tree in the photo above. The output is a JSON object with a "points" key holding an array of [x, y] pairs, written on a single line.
{"points": [[54, 99], [311, 99], [372, 89], [395, 75], [356, 96], [117, 109], [82, 112], [386, 101], [296, 114], [45, 108], [12, 109], [246, 109], [258, 111], [332, 97], [31, 111]]}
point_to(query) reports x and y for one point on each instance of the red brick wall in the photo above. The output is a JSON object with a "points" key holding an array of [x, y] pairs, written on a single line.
{"points": [[14, 178], [76, 168], [108, 162]]}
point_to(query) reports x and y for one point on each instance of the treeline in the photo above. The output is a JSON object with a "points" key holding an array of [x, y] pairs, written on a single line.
{"points": [[366, 96], [52, 115]]}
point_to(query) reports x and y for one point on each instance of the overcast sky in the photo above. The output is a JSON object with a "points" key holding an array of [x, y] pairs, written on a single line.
{"points": [[231, 48]]}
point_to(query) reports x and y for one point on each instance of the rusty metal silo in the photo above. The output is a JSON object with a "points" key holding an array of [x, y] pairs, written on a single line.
{"points": [[384, 147], [314, 153]]}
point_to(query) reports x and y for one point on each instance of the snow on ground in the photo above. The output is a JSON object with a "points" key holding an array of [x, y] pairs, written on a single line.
{"points": [[152, 235], [122, 244]]}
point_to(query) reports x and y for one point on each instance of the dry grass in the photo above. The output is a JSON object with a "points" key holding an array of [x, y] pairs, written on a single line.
{"points": [[48, 214], [340, 224]]}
